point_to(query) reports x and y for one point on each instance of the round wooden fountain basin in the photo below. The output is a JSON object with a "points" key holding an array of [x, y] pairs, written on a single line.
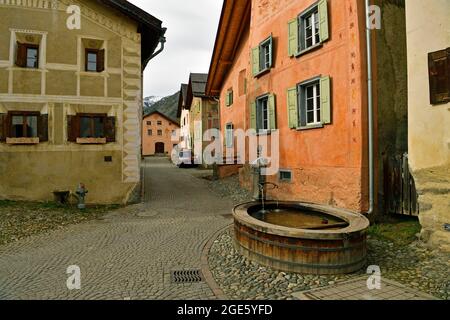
{"points": [[335, 247]]}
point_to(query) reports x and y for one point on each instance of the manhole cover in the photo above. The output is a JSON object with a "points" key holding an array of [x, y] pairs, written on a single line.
{"points": [[186, 276]]}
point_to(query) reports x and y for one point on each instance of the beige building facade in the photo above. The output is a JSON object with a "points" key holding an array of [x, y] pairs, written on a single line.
{"points": [[428, 38], [71, 99]]}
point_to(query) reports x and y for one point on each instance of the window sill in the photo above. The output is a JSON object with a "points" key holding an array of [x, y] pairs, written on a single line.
{"points": [[262, 72], [91, 140], [93, 74], [313, 48], [311, 127], [16, 68], [22, 141], [264, 132]]}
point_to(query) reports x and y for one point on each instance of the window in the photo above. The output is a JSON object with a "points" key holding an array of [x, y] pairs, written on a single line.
{"points": [[309, 29], [229, 135], [439, 73], [262, 57], [159, 123], [309, 104], [150, 132], [94, 125], [149, 123], [265, 52], [229, 98], [27, 55], [160, 133], [311, 93], [95, 60], [285, 176], [174, 133], [262, 114], [23, 124], [263, 117]]}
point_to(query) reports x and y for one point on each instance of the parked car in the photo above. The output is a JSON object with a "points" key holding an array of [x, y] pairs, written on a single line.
{"points": [[186, 158]]}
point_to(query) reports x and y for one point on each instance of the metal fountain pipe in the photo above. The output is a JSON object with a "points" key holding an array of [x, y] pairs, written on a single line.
{"points": [[370, 111]]}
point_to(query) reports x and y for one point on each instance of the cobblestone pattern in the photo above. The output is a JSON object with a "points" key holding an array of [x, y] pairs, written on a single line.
{"points": [[414, 266], [130, 253]]}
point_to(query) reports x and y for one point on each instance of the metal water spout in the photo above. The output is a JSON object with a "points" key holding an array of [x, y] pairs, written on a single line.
{"points": [[258, 177]]}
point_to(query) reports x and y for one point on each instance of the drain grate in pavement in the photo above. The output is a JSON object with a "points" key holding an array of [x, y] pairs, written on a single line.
{"points": [[186, 276]]}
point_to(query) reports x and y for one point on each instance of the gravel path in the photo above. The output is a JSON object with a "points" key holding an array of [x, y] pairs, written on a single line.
{"points": [[414, 266]]}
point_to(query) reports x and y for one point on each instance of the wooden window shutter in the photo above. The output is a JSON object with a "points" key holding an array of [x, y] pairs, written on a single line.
{"points": [[323, 20], [231, 100], [73, 128], [101, 61], [272, 112], [255, 61], [292, 105], [21, 58], [110, 129], [43, 128], [227, 99], [439, 73], [3, 127], [293, 37], [325, 100], [253, 116]]}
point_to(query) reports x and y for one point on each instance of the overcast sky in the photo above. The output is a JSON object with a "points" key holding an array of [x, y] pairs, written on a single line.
{"points": [[191, 32]]}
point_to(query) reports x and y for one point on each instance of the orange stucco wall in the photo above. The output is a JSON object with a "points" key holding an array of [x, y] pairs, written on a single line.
{"points": [[149, 142], [329, 164]]}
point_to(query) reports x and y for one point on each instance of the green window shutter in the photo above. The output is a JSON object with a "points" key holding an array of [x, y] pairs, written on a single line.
{"points": [[227, 99], [323, 20], [253, 116], [255, 61], [272, 112], [292, 104], [293, 37], [325, 100]]}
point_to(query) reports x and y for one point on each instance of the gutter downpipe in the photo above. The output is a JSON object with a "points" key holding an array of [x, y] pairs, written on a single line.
{"points": [[162, 41], [370, 110]]}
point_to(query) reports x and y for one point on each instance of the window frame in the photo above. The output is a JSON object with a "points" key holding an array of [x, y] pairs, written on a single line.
{"points": [[23, 114], [302, 101], [258, 117], [301, 18], [29, 46], [150, 132], [159, 123], [160, 133], [229, 133], [285, 180], [86, 61], [104, 116], [268, 41], [264, 64]]}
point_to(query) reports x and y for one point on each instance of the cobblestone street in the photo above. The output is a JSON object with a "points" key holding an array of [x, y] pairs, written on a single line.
{"points": [[130, 253]]}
